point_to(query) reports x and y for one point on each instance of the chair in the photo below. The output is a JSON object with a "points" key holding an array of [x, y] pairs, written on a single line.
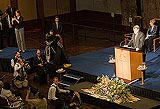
{"points": [[156, 41]]}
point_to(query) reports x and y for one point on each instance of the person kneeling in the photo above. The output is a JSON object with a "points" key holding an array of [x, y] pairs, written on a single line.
{"points": [[20, 74]]}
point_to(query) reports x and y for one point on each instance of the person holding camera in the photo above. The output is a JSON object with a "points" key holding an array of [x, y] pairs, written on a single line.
{"points": [[39, 103], [20, 74], [40, 64]]}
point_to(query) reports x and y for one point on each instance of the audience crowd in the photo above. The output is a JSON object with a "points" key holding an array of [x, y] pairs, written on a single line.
{"points": [[12, 26], [47, 63]]}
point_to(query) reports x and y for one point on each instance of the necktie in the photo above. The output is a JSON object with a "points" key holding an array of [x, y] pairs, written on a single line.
{"points": [[8, 20]]}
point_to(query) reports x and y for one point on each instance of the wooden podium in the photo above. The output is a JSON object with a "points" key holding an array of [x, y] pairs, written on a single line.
{"points": [[127, 61]]}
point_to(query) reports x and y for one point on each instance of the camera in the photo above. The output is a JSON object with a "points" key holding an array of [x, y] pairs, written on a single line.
{"points": [[33, 89]]}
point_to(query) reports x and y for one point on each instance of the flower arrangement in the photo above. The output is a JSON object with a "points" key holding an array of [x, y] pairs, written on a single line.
{"points": [[113, 90]]}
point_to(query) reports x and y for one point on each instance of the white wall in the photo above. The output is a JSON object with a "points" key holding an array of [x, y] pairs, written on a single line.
{"points": [[100, 5]]}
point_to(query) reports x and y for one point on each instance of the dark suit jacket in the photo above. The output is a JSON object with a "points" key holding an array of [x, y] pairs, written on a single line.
{"points": [[153, 32], [139, 42], [57, 30], [11, 13], [36, 61], [5, 22]]}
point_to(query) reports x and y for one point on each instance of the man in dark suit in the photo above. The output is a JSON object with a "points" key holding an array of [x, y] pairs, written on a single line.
{"points": [[1, 34], [11, 11], [57, 27], [137, 40], [9, 29], [39, 63]]}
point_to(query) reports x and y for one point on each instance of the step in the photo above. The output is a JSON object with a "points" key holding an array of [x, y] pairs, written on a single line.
{"points": [[66, 83], [76, 77]]}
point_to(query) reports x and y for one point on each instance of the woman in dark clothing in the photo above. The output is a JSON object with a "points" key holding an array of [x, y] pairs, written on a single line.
{"points": [[57, 50], [17, 21]]}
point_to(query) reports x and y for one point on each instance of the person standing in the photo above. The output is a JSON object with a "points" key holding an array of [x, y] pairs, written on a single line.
{"points": [[58, 55], [57, 27], [8, 29], [1, 34], [11, 11], [19, 31], [137, 40]]}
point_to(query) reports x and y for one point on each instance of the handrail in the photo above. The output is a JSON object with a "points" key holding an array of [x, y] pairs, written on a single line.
{"points": [[91, 27]]}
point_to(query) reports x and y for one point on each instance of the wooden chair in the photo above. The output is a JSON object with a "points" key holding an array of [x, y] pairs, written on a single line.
{"points": [[156, 41]]}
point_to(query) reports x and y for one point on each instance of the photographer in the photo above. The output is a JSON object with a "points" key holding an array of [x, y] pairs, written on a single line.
{"points": [[40, 64], [39, 103], [20, 74], [50, 48]]}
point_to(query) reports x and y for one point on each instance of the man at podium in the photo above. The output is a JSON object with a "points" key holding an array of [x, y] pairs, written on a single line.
{"points": [[137, 40]]}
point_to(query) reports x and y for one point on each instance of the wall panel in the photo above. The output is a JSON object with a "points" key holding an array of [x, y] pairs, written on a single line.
{"points": [[3, 4], [150, 9], [49, 8], [28, 9], [100, 5]]}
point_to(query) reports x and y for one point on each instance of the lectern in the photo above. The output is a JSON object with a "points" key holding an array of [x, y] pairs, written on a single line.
{"points": [[127, 61]]}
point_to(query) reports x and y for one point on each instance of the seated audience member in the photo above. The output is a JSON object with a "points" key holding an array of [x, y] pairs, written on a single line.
{"points": [[40, 64], [20, 74], [39, 103], [137, 40], [7, 94], [152, 32], [55, 93]]}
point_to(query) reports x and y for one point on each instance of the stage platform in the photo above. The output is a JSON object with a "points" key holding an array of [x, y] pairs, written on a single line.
{"points": [[144, 103], [93, 64]]}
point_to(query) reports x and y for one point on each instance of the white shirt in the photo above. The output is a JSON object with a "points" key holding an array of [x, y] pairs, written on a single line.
{"points": [[52, 92], [1, 26], [8, 20], [16, 68]]}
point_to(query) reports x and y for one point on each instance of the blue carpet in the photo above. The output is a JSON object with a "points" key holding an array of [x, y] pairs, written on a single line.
{"points": [[9, 53], [96, 63]]}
